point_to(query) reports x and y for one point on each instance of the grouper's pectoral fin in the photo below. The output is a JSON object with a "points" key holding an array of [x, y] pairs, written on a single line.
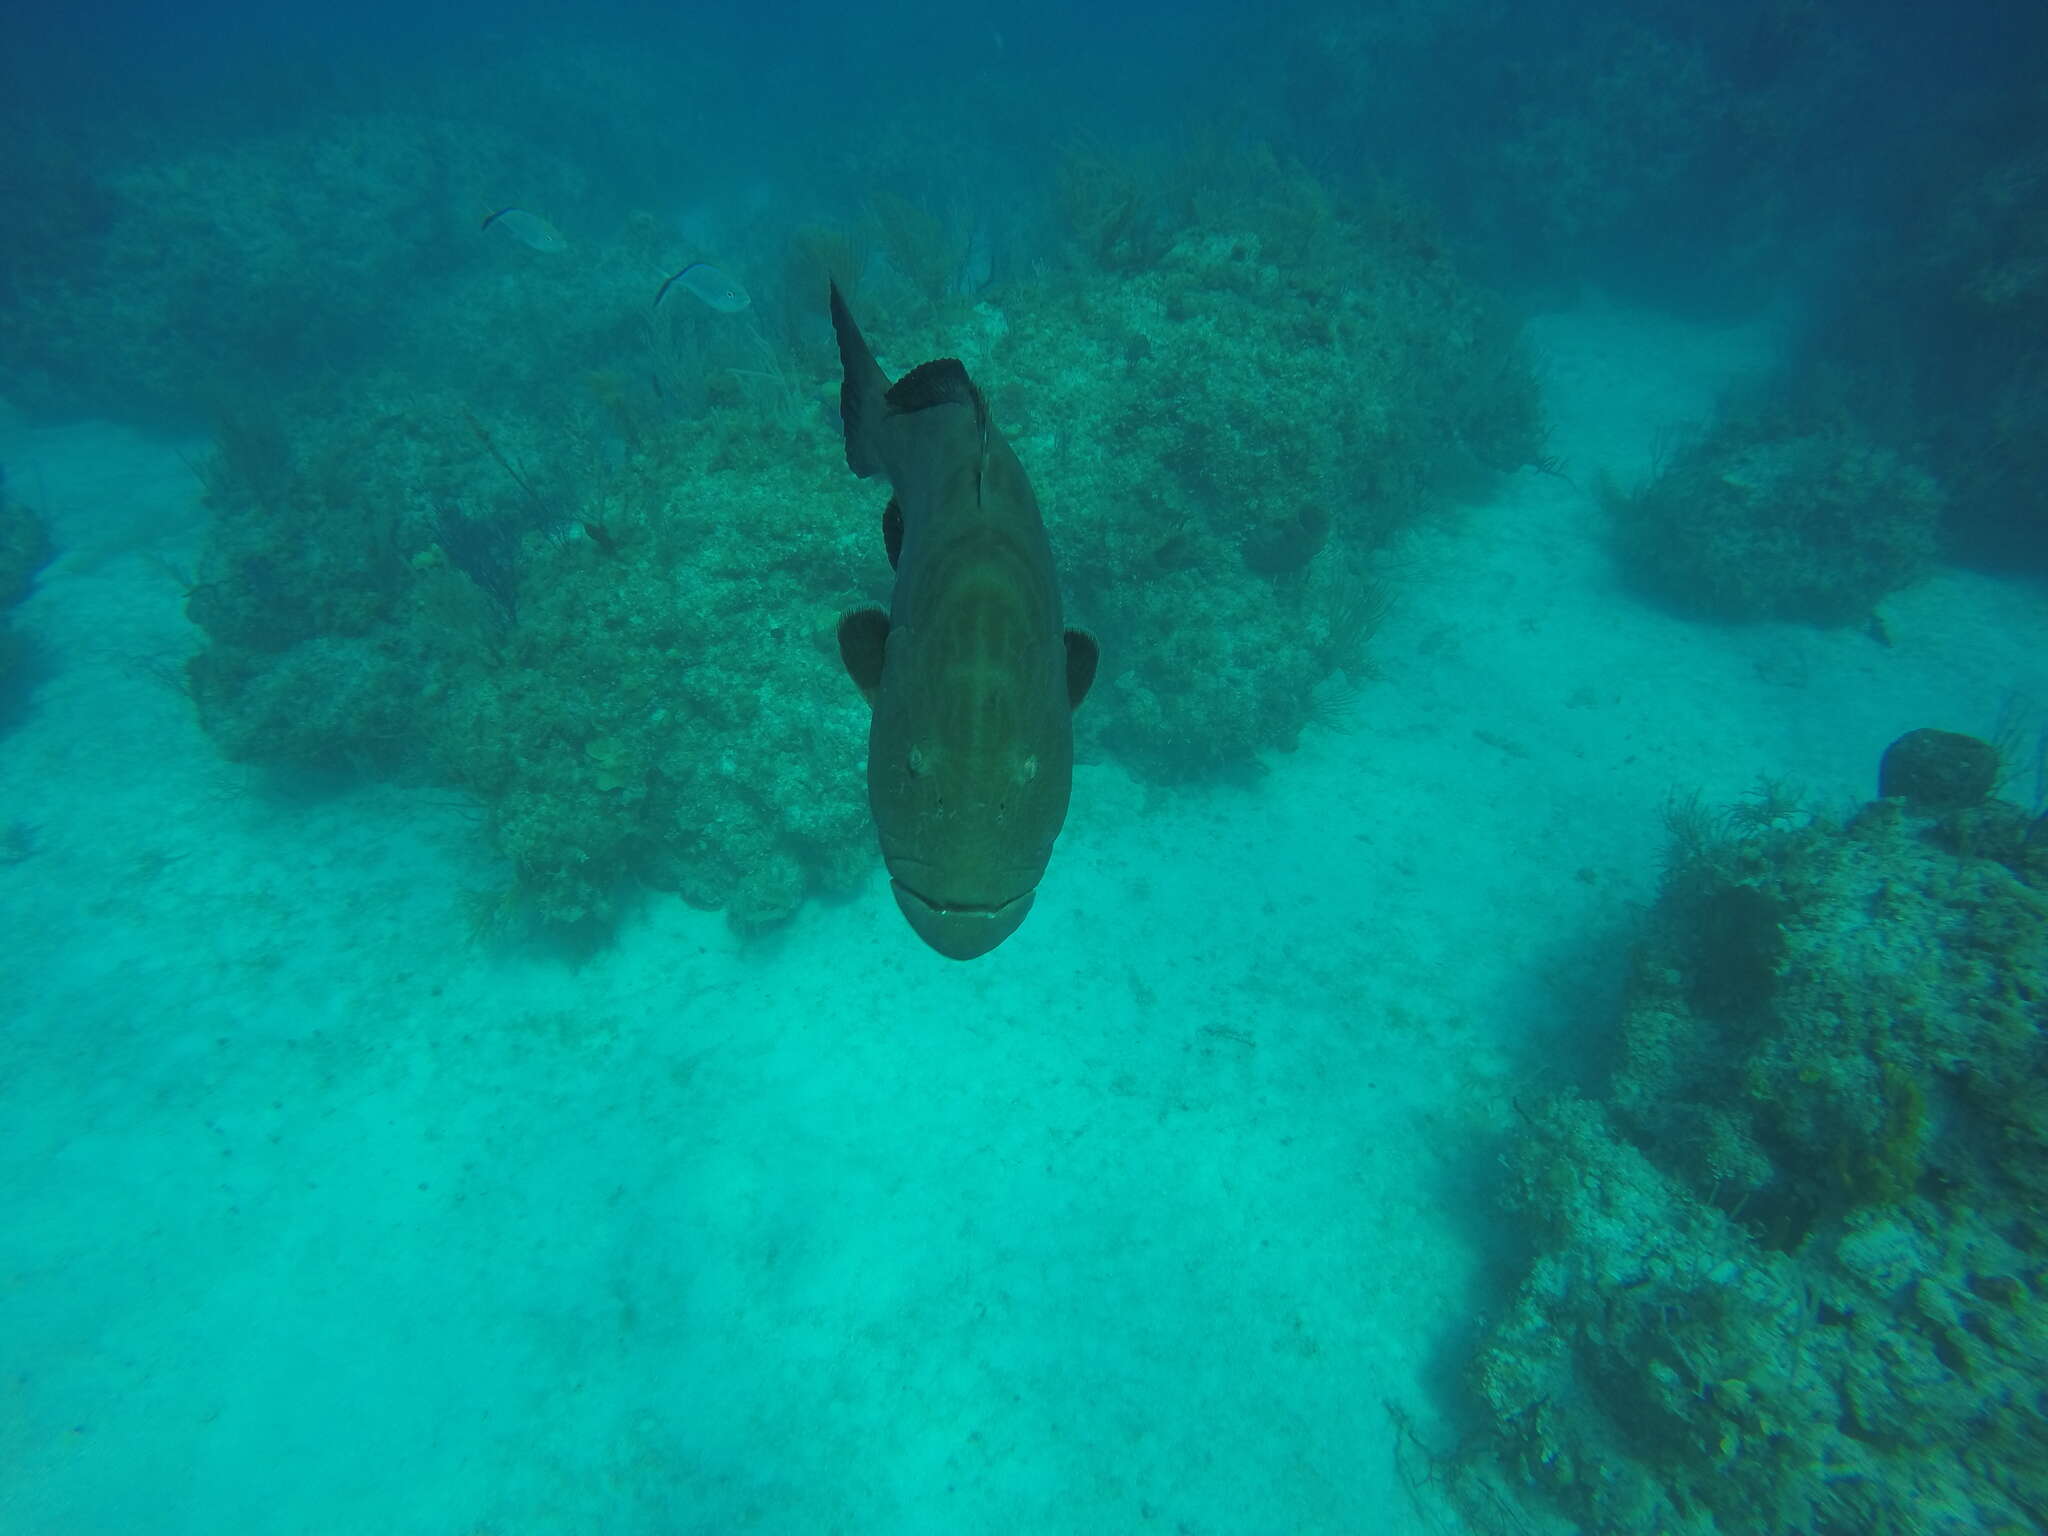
{"points": [[1081, 659], [863, 635]]}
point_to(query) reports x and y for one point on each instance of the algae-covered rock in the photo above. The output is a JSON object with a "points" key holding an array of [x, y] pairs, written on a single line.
{"points": [[1789, 1271], [1768, 519], [1938, 770]]}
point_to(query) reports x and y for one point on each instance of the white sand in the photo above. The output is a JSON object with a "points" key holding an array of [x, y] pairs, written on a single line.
{"points": [[321, 1219]]}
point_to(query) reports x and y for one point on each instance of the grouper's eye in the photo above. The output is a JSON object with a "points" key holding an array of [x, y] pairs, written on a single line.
{"points": [[920, 762], [1027, 768]]}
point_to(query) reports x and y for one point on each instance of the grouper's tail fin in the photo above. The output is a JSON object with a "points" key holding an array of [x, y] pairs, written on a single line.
{"points": [[863, 391]]}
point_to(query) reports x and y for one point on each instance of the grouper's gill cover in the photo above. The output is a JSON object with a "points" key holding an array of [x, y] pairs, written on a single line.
{"points": [[971, 676]]}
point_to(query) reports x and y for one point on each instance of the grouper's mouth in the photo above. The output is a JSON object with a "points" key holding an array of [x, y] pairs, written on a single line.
{"points": [[957, 931]]}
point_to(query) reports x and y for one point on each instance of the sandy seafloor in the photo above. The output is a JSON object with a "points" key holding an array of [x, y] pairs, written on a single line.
{"points": [[321, 1218]]}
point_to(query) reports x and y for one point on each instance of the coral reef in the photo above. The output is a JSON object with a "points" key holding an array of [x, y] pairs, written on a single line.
{"points": [[602, 603], [632, 673], [209, 269], [1228, 436], [1788, 1274], [1938, 770], [1767, 516]]}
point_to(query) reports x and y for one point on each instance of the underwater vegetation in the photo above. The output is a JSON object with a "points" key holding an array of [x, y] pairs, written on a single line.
{"points": [[1788, 1273], [601, 601]]}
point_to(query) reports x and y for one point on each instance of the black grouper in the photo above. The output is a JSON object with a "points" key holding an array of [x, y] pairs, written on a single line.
{"points": [[971, 677]]}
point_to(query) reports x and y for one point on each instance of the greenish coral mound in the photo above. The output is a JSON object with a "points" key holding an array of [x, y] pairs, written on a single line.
{"points": [[1789, 1272], [1766, 519], [303, 578], [630, 668], [672, 711], [607, 612], [603, 603], [211, 267], [1229, 411]]}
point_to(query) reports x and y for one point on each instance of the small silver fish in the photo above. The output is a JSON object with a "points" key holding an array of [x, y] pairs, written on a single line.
{"points": [[717, 289], [529, 229]]}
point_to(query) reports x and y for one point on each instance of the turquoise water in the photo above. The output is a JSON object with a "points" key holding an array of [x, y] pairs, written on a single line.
{"points": [[463, 1070]]}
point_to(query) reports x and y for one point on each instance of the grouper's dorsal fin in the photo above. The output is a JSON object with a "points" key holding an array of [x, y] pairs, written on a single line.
{"points": [[942, 381]]}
